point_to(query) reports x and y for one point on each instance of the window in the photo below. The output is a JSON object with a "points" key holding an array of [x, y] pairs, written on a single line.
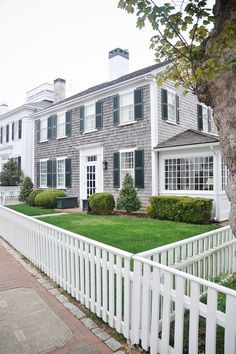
{"points": [[89, 119], [43, 173], [224, 175], [7, 133], [20, 129], [61, 125], [191, 173], [1, 135], [126, 108], [170, 106], [92, 158], [43, 130], [61, 173], [15, 129], [204, 118], [126, 164]]}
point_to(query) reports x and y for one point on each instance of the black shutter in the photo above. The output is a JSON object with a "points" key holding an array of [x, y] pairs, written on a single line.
{"points": [[138, 104], [209, 119], [50, 128], [99, 106], [81, 119], [38, 174], [68, 173], [20, 129], [13, 131], [116, 109], [139, 169], [19, 162], [164, 104], [7, 133], [1, 135], [54, 127], [177, 108], [49, 173], [68, 123], [116, 170], [199, 117], [38, 126], [54, 173]]}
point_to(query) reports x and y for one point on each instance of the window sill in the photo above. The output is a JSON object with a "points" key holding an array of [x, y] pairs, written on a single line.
{"points": [[43, 187], [43, 141], [90, 131], [61, 137], [127, 123], [61, 188], [171, 123]]}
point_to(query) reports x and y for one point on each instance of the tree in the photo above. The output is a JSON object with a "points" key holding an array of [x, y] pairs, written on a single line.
{"points": [[11, 174], [199, 46], [128, 199], [25, 189]]}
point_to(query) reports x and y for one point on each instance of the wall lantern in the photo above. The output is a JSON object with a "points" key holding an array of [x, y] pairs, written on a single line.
{"points": [[104, 164]]}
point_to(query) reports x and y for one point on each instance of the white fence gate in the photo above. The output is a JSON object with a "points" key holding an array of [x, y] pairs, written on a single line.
{"points": [[146, 297], [9, 195]]}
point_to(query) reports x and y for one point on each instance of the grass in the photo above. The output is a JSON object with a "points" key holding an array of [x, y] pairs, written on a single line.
{"points": [[31, 211], [128, 233]]}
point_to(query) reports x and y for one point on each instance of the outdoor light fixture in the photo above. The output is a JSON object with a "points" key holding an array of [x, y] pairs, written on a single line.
{"points": [[104, 164]]}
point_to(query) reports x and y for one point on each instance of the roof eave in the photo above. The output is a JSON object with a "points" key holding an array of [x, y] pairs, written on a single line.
{"points": [[191, 146]]}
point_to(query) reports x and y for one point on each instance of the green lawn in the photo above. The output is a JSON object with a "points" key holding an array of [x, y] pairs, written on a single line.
{"points": [[31, 211], [127, 233]]}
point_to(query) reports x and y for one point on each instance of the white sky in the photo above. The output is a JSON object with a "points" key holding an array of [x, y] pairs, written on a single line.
{"points": [[44, 39]]}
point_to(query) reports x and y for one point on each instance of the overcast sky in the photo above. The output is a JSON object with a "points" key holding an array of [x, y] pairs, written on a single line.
{"points": [[45, 39]]}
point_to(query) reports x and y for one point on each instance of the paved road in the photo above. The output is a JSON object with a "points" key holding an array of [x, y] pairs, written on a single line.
{"points": [[33, 321]]}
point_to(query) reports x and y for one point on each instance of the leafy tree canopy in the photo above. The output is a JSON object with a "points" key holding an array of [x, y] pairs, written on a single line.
{"points": [[11, 174]]}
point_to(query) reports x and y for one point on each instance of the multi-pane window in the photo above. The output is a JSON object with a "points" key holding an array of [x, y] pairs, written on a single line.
{"points": [[205, 119], [61, 173], [61, 125], [43, 130], [171, 106], [43, 173], [191, 173], [89, 119], [126, 164], [126, 107], [92, 158], [224, 175]]}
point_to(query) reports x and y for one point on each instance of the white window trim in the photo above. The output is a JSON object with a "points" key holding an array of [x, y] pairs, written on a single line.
{"points": [[41, 120], [168, 120], [91, 103], [124, 151], [63, 158], [42, 186], [60, 115]]}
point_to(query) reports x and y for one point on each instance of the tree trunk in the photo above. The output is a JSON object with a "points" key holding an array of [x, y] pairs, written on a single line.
{"points": [[220, 94]]}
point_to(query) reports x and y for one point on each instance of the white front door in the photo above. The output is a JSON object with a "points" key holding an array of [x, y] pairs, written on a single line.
{"points": [[91, 172]]}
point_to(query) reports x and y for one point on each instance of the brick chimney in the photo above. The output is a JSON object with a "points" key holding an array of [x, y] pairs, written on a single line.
{"points": [[59, 90], [118, 63]]}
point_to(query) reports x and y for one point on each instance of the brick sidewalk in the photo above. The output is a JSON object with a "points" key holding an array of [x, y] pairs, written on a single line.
{"points": [[82, 341]]}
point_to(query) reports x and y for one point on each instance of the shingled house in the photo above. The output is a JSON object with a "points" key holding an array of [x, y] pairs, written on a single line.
{"points": [[166, 141]]}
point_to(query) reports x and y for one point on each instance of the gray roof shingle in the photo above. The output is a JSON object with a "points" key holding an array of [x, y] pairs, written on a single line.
{"points": [[188, 137]]}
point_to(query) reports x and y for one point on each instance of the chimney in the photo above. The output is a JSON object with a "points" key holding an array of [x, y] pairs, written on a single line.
{"points": [[3, 108], [118, 63], [59, 90]]}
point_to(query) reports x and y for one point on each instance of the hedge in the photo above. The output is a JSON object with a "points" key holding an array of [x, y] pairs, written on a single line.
{"points": [[48, 199], [183, 209], [32, 196], [101, 203]]}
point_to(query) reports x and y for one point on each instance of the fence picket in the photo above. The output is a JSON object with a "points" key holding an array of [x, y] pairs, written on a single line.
{"points": [[194, 318]]}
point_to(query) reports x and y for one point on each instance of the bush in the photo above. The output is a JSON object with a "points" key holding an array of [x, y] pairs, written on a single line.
{"points": [[25, 189], [101, 203], [183, 209], [48, 199], [128, 199], [32, 196]]}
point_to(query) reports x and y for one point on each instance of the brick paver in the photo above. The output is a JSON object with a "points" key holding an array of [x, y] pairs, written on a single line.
{"points": [[82, 341]]}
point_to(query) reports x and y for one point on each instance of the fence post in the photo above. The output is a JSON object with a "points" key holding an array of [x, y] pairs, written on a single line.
{"points": [[136, 302]]}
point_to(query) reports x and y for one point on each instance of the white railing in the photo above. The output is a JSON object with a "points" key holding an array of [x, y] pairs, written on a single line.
{"points": [[94, 273], [9, 195], [150, 304], [158, 290]]}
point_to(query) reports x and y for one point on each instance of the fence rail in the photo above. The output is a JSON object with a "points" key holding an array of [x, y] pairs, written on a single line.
{"points": [[9, 195], [152, 298]]}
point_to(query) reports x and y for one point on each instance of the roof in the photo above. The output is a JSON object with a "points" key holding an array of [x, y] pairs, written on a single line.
{"points": [[188, 137], [41, 104], [106, 84], [30, 105]]}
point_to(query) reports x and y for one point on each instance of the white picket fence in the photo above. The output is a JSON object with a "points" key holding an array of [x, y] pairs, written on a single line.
{"points": [[146, 297], [9, 195]]}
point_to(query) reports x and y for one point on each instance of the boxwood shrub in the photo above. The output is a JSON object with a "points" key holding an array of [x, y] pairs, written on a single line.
{"points": [[183, 209], [32, 196], [101, 203], [48, 199]]}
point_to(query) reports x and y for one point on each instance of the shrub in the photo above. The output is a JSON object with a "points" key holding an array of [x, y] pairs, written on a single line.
{"points": [[128, 199], [101, 203], [48, 199], [32, 196], [183, 209], [25, 189]]}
